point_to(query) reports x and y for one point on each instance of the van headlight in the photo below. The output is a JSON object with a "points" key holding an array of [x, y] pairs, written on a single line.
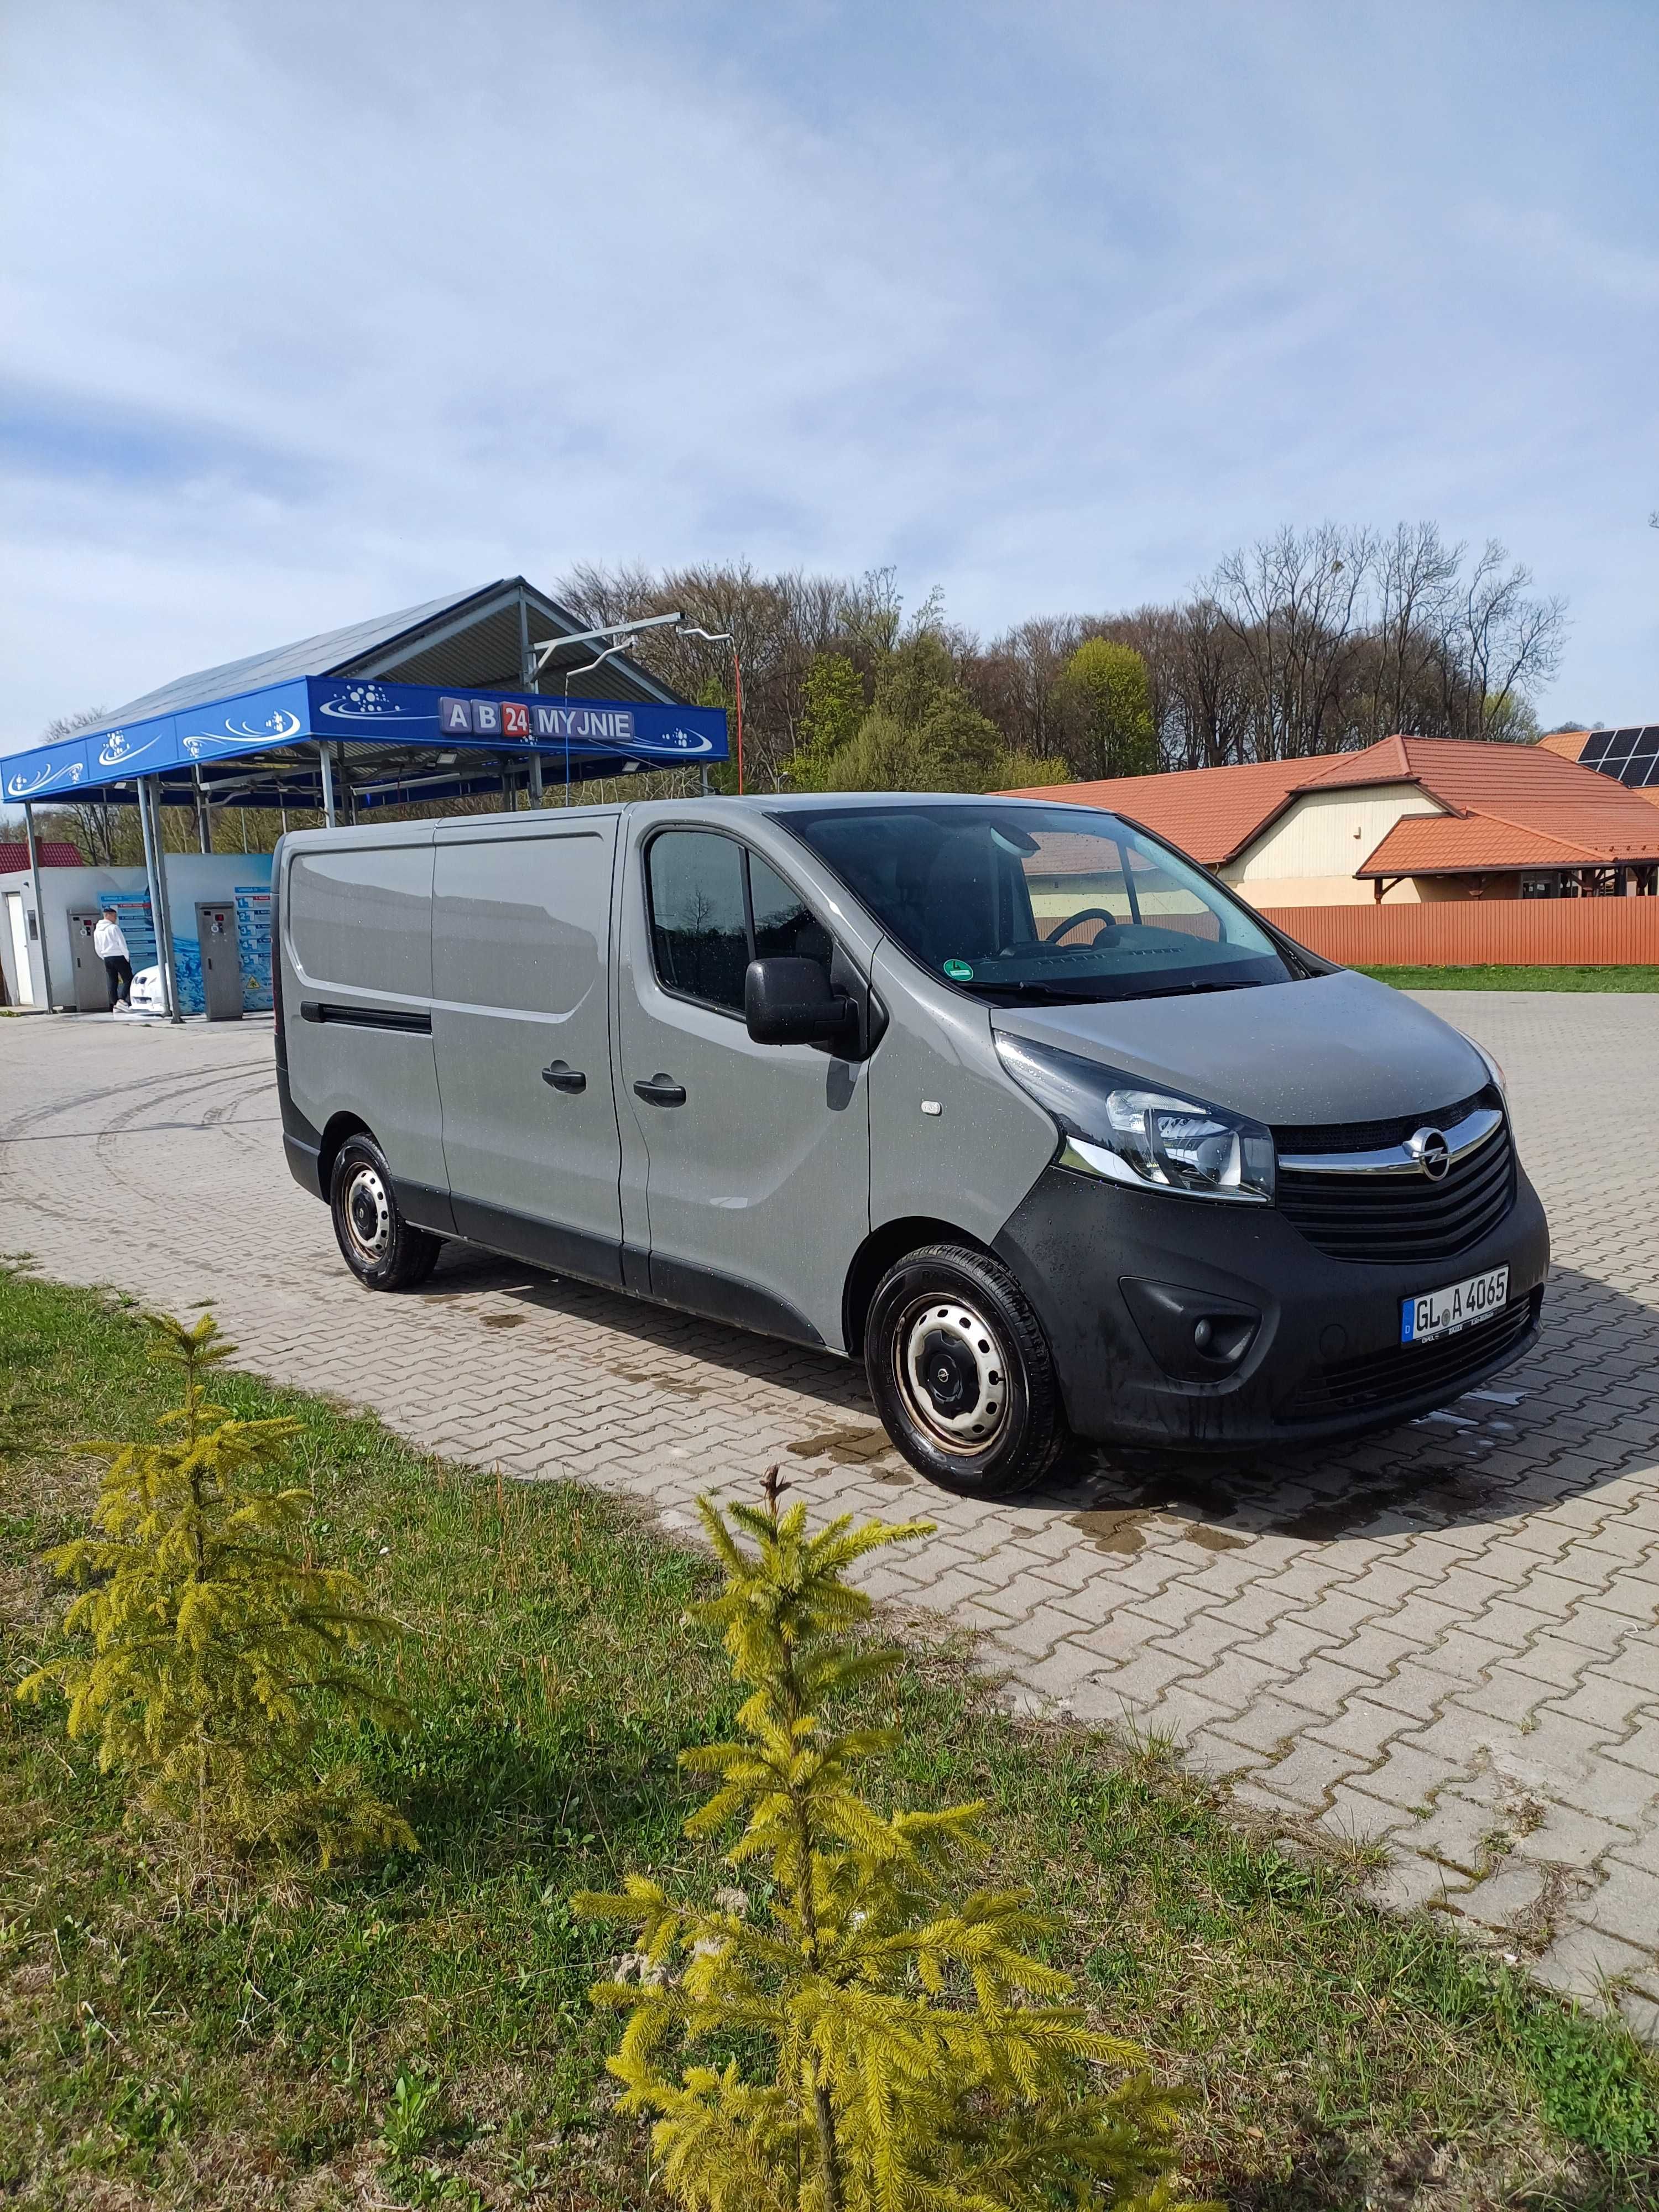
{"points": [[1120, 1127]]}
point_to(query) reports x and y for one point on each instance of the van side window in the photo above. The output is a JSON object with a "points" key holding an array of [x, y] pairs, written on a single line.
{"points": [[784, 923], [699, 933]]}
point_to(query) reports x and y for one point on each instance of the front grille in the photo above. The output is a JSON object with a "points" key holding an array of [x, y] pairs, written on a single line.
{"points": [[1379, 1379], [1400, 1219], [1372, 1136]]}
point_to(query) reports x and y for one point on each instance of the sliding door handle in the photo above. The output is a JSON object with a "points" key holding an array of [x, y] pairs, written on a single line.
{"points": [[661, 1091], [563, 1077]]}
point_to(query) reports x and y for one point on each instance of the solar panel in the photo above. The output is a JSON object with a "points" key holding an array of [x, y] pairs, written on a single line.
{"points": [[1595, 747]]}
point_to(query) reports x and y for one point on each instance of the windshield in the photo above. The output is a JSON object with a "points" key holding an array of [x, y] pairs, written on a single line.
{"points": [[1023, 903]]}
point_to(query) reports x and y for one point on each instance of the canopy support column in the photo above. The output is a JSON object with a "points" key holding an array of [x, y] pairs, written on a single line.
{"points": [[203, 814], [530, 676], [160, 914], [325, 753], [40, 908]]}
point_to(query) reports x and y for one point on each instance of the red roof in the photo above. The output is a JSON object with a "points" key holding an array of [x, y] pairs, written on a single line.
{"points": [[1532, 803], [1455, 845], [1210, 812], [1570, 744], [54, 853]]}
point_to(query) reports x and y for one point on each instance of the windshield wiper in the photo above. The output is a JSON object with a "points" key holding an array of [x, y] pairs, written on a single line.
{"points": [[1033, 991], [1099, 998]]}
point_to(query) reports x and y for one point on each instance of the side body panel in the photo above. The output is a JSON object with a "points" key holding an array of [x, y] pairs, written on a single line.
{"points": [[756, 1194], [355, 976], [521, 933], [973, 1161]]}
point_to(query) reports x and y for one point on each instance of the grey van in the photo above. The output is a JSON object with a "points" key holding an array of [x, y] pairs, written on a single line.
{"points": [[1008, 1099]]}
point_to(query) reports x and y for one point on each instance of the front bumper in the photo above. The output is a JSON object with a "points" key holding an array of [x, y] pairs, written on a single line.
{"points": [[1325, 1360]]}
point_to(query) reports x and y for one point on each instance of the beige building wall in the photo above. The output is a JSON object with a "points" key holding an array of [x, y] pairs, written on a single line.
{"points": [[1307, 857]]}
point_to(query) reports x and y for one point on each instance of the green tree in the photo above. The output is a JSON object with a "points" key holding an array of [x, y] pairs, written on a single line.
{"points": [[1106, 698], [885, 755], [954, 749], [898, 2049], [832, 707], [213, 1633], [1020, 771], [915, 676]]}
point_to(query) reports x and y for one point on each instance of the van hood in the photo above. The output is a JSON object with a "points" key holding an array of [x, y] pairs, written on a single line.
{"points": [[1332, 1048]]}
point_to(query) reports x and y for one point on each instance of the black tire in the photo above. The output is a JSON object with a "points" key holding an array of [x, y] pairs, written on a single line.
{"points": [[383, 1251], [962, 1374]]}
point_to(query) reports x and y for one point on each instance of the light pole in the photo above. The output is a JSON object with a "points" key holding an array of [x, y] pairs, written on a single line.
{"points": [[619, 631]]}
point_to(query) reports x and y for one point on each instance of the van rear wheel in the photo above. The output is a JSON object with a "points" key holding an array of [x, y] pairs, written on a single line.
{"points": [[962, 1374], [383, 1251]]}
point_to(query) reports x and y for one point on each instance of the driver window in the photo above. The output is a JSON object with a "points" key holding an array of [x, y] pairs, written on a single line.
{"points": [[698, 934], [784, 923], [706, 928]]}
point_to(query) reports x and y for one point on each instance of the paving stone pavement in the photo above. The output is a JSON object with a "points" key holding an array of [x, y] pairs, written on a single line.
{"points": [[1444, 1638]]}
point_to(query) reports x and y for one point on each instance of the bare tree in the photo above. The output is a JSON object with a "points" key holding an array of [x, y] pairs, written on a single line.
{"points": [[1416, 583], [1499, 644], [1306, 643], [1291, 601]]}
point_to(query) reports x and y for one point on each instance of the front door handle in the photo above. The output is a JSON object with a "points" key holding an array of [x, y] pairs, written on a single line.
{"points": [[661, 1091], [563, 1077]]}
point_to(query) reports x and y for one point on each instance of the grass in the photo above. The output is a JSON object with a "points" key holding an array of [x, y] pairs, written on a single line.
{"points": [[418, 2031], [1644, 978]]}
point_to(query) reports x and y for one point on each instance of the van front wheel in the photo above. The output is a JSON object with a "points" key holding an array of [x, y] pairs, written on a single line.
{"points": [[383, 1251], [962, 1374]]}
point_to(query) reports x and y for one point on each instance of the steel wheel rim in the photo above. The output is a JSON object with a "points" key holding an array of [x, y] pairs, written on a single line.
{"points": [[964, 1412], [366, 1214]]}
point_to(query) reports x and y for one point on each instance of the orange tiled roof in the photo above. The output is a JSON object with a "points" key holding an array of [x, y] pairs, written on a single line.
{"points": [[1521, 792], [1444, 844], [1570, 744], [1210, 812]]}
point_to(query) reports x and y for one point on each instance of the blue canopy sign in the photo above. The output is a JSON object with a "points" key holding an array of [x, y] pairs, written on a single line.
{"points": [[590, 733]]}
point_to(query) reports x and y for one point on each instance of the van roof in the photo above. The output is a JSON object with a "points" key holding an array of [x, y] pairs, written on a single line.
{"points": [[540, 820]]}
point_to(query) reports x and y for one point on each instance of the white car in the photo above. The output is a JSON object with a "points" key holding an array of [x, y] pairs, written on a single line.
{"points": [[147, 998]]}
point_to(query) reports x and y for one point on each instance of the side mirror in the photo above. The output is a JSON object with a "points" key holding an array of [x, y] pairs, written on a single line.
{"points": [[788, 1000]]}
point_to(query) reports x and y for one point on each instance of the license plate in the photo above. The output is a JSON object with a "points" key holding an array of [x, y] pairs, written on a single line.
{"points": [[1443, 1313]]}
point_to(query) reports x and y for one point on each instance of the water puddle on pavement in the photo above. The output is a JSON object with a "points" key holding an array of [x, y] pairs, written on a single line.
{"points": [[1189, 1500], [672, 1384], [856, 1446], [503, 1320], [1123, 1529]]}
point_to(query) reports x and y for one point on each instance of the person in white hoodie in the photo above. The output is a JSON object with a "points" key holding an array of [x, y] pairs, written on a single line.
{"points": [[111, 947]]}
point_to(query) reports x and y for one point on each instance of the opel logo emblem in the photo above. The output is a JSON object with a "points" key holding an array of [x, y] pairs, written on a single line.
{"points": [[1432, 1152]]}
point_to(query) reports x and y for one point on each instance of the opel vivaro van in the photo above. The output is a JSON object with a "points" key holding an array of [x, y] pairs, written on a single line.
{"points": [[1008, 1099]]}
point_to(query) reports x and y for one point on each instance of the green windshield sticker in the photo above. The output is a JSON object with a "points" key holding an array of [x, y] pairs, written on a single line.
{"points": [[958, 971]]}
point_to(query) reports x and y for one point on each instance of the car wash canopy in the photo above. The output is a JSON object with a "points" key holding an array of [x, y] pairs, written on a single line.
{"points": [[404, 742], [431, 703]]}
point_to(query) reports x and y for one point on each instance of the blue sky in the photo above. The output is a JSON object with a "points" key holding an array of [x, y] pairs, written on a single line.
{"points": [[313, 311]]}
